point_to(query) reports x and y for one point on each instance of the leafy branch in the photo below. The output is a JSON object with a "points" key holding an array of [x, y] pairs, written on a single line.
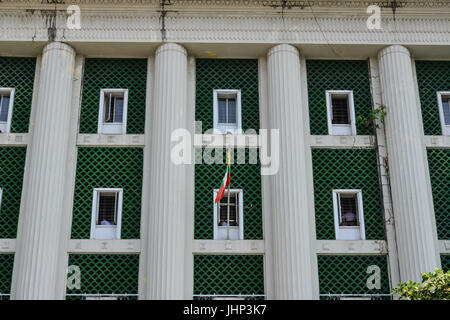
{"points": [[373, 118]]}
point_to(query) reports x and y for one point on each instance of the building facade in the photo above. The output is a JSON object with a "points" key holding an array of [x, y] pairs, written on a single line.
{"points": [[97, 98]]}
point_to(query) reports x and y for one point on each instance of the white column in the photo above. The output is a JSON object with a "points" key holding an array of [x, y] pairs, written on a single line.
{"points": [[408, 166], [291, 249], [167, 209], [38, 238]]}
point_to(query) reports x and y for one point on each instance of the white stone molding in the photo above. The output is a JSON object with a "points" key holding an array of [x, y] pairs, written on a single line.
{"points": [[13, 139], [415, 225], [111, 140], [39, 234], [351, 247], [323, 141], [292, 254], [126, 246], [228, 246], [7, 245], [167, 209], [437, 141]]}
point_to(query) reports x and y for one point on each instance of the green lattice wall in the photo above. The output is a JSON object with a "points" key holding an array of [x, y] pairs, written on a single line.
{"points": [[346, 274], [445, 262], [108, 168], [128, 74], [439, 166], [6, 270], [106, 274], [228, 274], [346, 169], [243, 176], [337, 75], [227, 74], [432, 76], [12, 164], [19, 73]]}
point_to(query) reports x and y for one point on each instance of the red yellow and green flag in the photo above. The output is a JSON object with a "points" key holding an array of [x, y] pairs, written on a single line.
{"points": [[225, 182]]}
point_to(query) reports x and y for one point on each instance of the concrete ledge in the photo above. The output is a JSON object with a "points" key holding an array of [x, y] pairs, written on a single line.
{"points": [[437, 141], [111, 140], [7, 245], [351, 247], [327, 141], [228, 247], [13, 139], [104, 246]]}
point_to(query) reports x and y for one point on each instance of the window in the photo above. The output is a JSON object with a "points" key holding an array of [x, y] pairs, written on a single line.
{"points": [[227, 111], [228, 220], [6, 108], [106, 214], [112, 118], [444, 111], [348, 215], [341, 113]]}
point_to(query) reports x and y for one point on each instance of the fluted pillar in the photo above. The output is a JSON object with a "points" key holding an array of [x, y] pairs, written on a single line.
{"points": [[167, 209], [408, 167], [292, 255], [39, 229]]}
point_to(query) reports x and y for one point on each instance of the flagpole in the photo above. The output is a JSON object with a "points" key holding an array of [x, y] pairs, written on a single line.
{"points": [[228, 205]]}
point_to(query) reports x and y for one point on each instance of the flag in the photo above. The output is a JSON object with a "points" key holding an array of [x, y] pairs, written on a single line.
{"points": [[225, 182]]}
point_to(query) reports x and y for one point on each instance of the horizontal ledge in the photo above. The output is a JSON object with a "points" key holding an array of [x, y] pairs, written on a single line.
{"points": [[444, 246], [328, 141], [13, 139], [104, 246], [437, 141], [228, 246], [223, 141], [7, 245], [351, 247], [111, 140]]}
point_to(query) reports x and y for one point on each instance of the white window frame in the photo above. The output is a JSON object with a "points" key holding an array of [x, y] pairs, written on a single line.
{"points": [[97, 231], [112, 128], [6, 126], [341, 231], [220, 128], [445, 128], [341, 129], [241, 214]]}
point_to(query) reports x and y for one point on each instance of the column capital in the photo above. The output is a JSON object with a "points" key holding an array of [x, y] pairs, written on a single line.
{"points": [[171, 47], [59, 46], [283, 48], [393, 49]]}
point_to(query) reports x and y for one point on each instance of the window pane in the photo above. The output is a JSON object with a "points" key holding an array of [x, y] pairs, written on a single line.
{"points": [[339, 106], [107, 208], [234, 210], [109, 108], [348, 210], [222, 110], [4, 106], [232, 110], [446, 109], [118, 109]]}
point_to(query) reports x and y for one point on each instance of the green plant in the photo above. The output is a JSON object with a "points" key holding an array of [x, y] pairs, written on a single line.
{"points": [[373, 117], [435, 286]]}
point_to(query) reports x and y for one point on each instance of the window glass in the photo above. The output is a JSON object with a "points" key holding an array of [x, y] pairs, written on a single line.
{"points": [[340, 109], [222, 110], [231, 110], [234, 210], [446, 109], [107, 208], [348, 210], [118, 109], [4, 107]]}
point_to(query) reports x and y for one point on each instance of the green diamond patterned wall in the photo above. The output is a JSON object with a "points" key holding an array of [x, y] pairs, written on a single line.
{"points": [[106, 274], [108, 168], [227, 74], [347, 274], [337, 75], [12, 165], [228, 274], [432, 76], [243, 176], [346, 169], [439, 167], [19, 73], [6, 270], [445, 262], [128, 74]]}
